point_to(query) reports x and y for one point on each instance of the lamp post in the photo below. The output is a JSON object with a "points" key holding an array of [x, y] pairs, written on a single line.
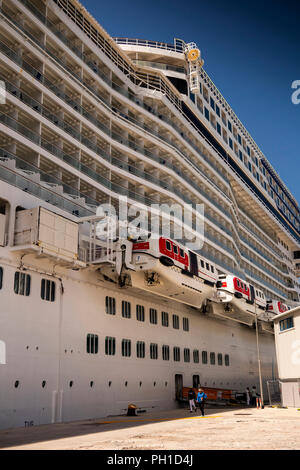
{"points": [[258, 359]]}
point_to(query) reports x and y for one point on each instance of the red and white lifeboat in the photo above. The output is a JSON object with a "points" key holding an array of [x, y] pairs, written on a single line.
{"points": [[276, 307], [171, 270], [240, 299]]}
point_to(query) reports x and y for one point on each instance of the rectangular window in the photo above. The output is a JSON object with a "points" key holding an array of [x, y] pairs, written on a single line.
{"points": [[229, 126], [140, 313], [206, 113], [140, 349], [176, 354], [186, 326], [212, 357], [187, 355], [153, 316], [22, 284], [204, 357], [126, 347], [230, 143], [176, 322], [1, 278], [217, 110], [212, 103], [220, 359], [48, 290], [286, 324], [92, 344], [110, 346], [126, 309], [110, 305], [166, 353], [241, 155], [239, 139], [153, 351], [164, 318], [196, 356], [218, 128], [227, 362]]}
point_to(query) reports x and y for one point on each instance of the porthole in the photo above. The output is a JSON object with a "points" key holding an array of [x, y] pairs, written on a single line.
{"points": [[154, 384], [44, 384], [126, 383], [141, 384], [71, 384], [91, 383], [109, 383], [17, 383]]}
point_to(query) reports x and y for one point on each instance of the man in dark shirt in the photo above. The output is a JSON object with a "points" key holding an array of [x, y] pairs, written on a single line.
{"points": [[191, 397]]}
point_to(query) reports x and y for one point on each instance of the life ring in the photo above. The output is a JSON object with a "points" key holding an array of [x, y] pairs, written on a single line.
{"points": [[193, 55]]}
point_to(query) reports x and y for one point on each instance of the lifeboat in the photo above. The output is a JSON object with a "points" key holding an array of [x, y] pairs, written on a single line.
{"points": [[275, 307], [240, 300], [168, 269]]}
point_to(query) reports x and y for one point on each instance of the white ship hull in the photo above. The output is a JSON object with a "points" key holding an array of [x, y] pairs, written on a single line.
{"points": [[47, 342]]}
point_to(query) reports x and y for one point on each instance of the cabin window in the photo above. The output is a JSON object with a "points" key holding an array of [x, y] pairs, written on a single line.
{"points": [[186, 326], [220, 359], [176, 322], [153, 351], [166, 353], [181, 253], [126, 347], [48, 290], [1, 277], [140, 313], [238, 283], [110, 305], [212, 269], [186, 354], [212, 358], [196, 356], [202, 263], [176, 353], [207, 266], [164, 318], [204, 357], [153, 316], [110, 346], [286, 324], [92, 344], [226, 358], [126, 309], [168, 246], [175, 249], [22, 284], [140, 349]]}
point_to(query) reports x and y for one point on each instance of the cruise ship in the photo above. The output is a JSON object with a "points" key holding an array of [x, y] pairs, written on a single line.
{"points": [[89, 322]]}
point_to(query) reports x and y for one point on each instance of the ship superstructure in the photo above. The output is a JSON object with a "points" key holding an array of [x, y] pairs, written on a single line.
{"points": [[87, 119]]}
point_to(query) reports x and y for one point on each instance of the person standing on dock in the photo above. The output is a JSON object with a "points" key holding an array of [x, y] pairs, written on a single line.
{"points": [[191, 397], [248, 395], [201, 397]]}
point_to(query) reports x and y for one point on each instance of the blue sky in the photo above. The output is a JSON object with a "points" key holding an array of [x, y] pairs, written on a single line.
{"points": [[251, 51]]}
